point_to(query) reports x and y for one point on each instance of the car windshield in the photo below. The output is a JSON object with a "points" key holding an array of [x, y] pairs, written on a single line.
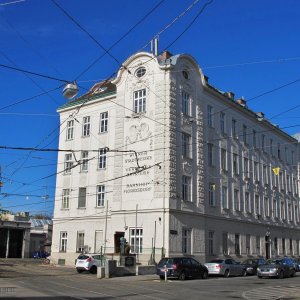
{"points": [[217, 261], [166, 261], [274, 262], [82, 256]]}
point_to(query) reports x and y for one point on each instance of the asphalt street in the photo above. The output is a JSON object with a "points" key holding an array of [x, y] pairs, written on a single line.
{"points": [[24, 281]]}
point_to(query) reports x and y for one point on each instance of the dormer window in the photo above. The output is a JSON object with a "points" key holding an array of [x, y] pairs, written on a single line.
{"points": [[140, 72], [185, 74]]}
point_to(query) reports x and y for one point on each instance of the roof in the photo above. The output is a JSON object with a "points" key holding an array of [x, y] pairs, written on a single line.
{"points": [[99, 90], [40, 222]]}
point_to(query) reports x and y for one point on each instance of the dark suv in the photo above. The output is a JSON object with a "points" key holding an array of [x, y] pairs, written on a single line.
{"points": [[181, 268]]}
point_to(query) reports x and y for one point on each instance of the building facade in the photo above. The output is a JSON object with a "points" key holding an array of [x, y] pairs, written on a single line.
{"points": [[164, 159]]}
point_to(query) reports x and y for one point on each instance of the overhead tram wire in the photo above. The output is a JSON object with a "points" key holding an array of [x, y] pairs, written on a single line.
{"points": [[121, 38]]}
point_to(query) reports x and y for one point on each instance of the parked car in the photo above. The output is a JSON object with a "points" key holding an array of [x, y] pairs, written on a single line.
{"points": [[88, 262], [297, 260], [278, 268], [251, 265], [225, 267], [181, 268]]}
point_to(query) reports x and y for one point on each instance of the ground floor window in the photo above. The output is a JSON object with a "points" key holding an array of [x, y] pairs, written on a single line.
{"points": [[136, 240], [63, 241], [187, 241], [225, 243], [210, 242], [237, 249], [258, 245], [275, 246], [80, 242], [248, 244]]}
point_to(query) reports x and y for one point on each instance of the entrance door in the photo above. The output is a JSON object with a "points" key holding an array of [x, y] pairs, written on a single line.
{"points": [[117, 236]]}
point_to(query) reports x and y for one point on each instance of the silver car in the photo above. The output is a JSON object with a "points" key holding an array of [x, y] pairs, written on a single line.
{"points": [[225, 267]]}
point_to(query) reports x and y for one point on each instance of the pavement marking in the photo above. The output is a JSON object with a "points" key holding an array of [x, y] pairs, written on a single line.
{"points": [[271, 292]]}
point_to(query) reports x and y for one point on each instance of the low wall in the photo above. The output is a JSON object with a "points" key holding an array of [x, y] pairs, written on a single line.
{"points": [[145, 270]]}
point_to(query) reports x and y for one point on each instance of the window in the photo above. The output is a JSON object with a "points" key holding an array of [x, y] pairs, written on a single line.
{"points": [[278, 151], [276, 246], [281, 181], [235, 164], [236, 196], [275, 213], [211, 194], [100, 195], [70, 130], [222, 122], [63, 241], [68, 163], [256, 200], [223, 160], [254, 138], [288, 183], [186, 145], [246, 167], [248, 245], [82, 198], [291, 247], [256, 171], [84, 161], [187, 241], [210, 242], [263, 138], [225, 243], [224, 197], [210, 122], [282, 211], [265, 175], [186, 188], [296, 213], [136, 239], [139, 101], [140, 72], [210, 155], [290, 212], [80, 242], [103, 122], [86, 128], [65, 198], [186, 103], [245, 134], [237, 250], [283, 246], [233, 128], [266, 206], [258, 245], [247, 202], [271, 147], [102, 158]]}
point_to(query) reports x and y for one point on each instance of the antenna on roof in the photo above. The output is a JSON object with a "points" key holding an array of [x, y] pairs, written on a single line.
{"points": [[154, 45]]}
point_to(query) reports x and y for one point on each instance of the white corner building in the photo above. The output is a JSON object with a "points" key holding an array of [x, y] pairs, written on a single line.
{"points": [[164, 159]]}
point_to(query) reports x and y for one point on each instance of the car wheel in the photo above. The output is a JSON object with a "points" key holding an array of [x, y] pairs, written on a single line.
{"points": [[281, 275], [182, 276], [244, 273], [293, 273], [79, 271], [205, 275], [162, 277], [93, 270], [226, 274]]}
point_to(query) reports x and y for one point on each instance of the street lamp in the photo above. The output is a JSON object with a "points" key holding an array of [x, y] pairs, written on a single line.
{"points": [[70, 90]]}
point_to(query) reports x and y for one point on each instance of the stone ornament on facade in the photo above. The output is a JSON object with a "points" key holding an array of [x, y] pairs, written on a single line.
{"points": [[138, 132]]}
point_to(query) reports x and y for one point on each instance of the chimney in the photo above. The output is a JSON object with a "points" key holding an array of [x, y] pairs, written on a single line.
{"points": [[165, 55], [229, 95], [205, 79], [154, 46], [241, 102]]}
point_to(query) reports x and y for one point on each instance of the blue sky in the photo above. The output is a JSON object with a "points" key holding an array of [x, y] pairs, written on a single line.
{"points": [[248, 47]]}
